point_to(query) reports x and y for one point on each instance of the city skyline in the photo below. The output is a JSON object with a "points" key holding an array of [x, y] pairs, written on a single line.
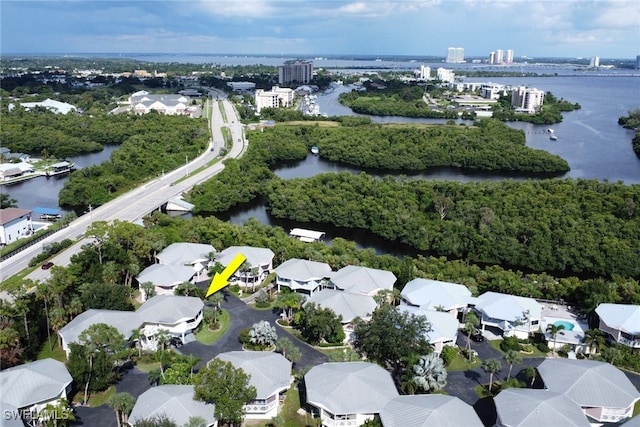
{"points": [[572, 28]]}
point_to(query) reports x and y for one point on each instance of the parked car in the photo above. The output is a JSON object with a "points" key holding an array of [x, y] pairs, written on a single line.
{"points": [[47, 265], [176, 342], [477, 336]]}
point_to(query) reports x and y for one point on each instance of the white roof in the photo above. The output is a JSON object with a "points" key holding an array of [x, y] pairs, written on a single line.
{"points": [[270, 372], [174, 401], [429, 294], [185, 253], [444, 326], [169, 309], [302, 270], [588, 382], [34, 382], [344, 304], [623, 317], [428, 410], [166, 275], [7, 408], [362, 280], [254, 256], [306, 235], [124, 321], [349, 387], [526, 407], [50, 104], [508, 307]]}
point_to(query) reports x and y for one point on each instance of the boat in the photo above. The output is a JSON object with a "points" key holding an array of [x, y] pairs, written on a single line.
{"points": [[553, 137], [550, 130], [60, 168], [315, 150]]}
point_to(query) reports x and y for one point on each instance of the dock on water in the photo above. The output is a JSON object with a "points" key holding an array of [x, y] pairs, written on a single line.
{"points": [[307, 235]]}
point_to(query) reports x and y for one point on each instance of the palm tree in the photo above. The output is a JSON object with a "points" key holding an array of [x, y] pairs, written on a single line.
{"points": [[531, 373], [512, 357], [7, 201], [122, 403], [162, 337], [491, 366], [429, 373], [594, 338], [471, 323], [553, 331]]}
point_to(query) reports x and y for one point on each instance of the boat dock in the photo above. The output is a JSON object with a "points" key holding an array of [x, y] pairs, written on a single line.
{"points": [[307, 235]]}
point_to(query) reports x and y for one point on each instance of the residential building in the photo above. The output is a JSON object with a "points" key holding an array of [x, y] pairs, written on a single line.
{"points": [[444, 75], [428, 410], [492, 58], [174, 402], [348, 393], [455, 55], [143, 102], [295, 72], [429, 294], [346, 305], [594, 62], [165, 278], [509, 57], [30, 387], [277, 97], [242, 86], [196, 255], [603, 392], [425, 72], [178, 315], [362, 280], [271, 376], [513, 315], [258, 264], [638, 62], [499, 56], [51, 105], [492, 90], [621, 322], [527, 100], [444, 326], [15, 224], [302, 276], [124, 321], [526, 407]]}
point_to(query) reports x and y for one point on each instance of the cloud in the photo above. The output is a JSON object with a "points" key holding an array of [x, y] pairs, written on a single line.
{"points": [[620, 14]]}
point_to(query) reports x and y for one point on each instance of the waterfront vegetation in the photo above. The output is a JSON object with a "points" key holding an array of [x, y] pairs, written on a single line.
{"points": [[632, 121], [551, 111]]}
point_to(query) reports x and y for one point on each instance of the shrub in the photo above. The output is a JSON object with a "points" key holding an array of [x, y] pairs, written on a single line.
{"points": [[244, 336], [543, 347], [510, 343], [448, 354]]}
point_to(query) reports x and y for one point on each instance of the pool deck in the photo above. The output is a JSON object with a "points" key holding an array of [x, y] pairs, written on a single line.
{"points": [[552, 313]]}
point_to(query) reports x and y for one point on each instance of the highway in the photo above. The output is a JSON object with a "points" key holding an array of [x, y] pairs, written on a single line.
{"points": [[137, 203]]}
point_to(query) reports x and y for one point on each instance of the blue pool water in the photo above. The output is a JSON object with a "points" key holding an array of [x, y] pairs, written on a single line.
{"points": [[568, 326]]}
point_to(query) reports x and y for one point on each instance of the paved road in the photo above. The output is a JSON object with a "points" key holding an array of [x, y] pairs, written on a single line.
{"points": [[139, 202]]}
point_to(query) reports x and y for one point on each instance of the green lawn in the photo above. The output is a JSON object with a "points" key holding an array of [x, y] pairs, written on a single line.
{"points": [[147, 366], [461, 363], [98, 399], [57, 353], [205, 336], [536, 353]]}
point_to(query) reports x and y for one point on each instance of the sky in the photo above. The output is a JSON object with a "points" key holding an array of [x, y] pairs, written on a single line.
{"points": [[532, 28]]}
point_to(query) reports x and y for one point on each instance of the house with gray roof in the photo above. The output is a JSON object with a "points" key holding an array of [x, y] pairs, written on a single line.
{"points": [[124, 321], [444, 327], [348, 393], [513, 315], [633, 422], [173, 401], [271, 376], [348, 306], [428, 410], [178, 315], [621, 322], [11, 416], [51, 105], [142, 102], [603, 392], [258, 264], [302, 276], [430, 294], [165, 278], [526, 407], [196, 255], [32, 386], [362, 280]]}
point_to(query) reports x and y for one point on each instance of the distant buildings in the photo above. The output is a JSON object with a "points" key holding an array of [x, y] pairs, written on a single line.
{"points": [[275, 98], [594, 62], [51, 105], [498, 57], [299, 72], [142, 102], [455, 55], [526, 100], [638, 62], [444, 75], [425, 72]]}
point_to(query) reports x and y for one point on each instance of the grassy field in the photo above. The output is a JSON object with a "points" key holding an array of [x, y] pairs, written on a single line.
{"points": [[205, 336], [57, 353], [462, 363]]}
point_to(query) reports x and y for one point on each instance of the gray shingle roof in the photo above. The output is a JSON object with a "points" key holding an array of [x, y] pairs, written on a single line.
{"points": [[303, 270], [362, 280], [443, 325], [169, 309], [525, 407], [34, 382], [623, 317], [8, 419], [508, 307], [185, 253], [344, 304], [349, 387], [588, 382], [124, 321], [432, 410], [254, 256], [429, 294], [166, 275], [174, 401], [633, 422], [269, 372]]}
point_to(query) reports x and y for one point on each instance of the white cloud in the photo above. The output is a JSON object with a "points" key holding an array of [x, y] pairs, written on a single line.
{"points": [[620, 14]]}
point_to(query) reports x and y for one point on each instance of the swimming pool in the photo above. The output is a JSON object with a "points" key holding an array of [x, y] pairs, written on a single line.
{"points": [[568, 326]]}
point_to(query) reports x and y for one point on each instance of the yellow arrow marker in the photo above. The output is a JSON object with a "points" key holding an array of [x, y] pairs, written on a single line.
{"points": [[220, 280]]}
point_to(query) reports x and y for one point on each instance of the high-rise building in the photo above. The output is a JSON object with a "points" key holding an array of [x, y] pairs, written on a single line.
{"points": [[425, 72], [509, 58], [526, 100], [492, 58], [295, 71], [277, 97], [455, 55], [638, 62], [445, 75], [499, 56], [595, 62]]}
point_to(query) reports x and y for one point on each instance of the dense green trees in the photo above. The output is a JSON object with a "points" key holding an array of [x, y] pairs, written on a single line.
{"points": [[632, 121], [551, 111], [319, 325]]}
